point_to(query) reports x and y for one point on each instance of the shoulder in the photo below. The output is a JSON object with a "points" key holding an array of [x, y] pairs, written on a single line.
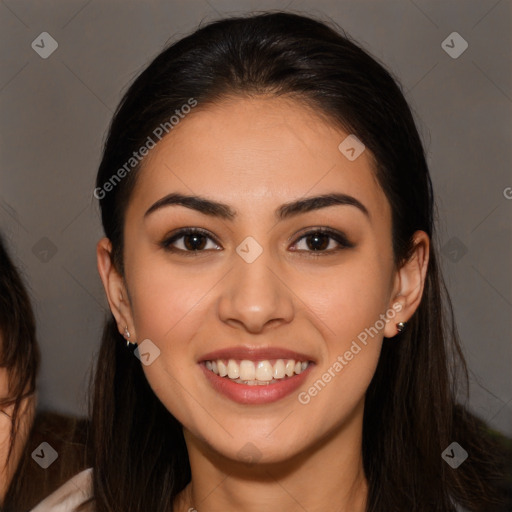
{"points": [[74, 492], [67, 436]]}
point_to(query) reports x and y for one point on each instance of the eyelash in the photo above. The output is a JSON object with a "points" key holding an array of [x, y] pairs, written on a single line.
{"points": [[340, 238]]}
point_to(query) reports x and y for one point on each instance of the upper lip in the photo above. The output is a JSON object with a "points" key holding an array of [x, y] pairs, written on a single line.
{"points": [[255, 354]]}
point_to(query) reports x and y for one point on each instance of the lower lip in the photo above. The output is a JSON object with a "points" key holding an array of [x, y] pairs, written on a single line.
{"points": [[259, 394]]}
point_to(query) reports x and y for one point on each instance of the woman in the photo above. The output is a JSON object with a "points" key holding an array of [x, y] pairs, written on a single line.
{"points": [[23, 483], [269, 252], [19, 361]]}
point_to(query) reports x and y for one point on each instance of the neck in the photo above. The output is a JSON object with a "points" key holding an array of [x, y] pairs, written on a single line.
{"points": [[328, 475]]}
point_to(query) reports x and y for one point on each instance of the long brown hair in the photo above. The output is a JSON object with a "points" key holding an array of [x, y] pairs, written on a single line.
{"points": [[19, 352], [20, 355], [411, 415]]}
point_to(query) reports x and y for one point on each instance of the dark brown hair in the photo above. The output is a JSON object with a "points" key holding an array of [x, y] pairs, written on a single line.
{"points": [[19, 352], [31, 484], [139, 455]]}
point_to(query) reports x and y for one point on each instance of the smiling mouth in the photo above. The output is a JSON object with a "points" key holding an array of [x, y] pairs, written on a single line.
{"points": [[256, 373]]}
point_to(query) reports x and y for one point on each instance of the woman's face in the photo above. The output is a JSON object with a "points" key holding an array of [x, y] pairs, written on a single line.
{"points": [[259, 283]]}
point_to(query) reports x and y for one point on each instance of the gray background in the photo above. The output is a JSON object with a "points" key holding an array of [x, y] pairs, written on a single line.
{"points": [[54, 114]]}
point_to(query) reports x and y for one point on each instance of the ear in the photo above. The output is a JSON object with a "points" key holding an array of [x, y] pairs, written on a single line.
{"points": [[409, 283], [115, 289]]}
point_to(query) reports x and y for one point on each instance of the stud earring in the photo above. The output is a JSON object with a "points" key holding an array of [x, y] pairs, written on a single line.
{"points": [[401, 326]]}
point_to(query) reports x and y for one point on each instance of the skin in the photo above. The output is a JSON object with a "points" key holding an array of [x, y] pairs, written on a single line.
{"points": [[26, 416], [255, 154]]}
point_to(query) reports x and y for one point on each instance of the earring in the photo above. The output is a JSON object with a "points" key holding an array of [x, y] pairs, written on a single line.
{"points": [[401, 326], [127, 335]]}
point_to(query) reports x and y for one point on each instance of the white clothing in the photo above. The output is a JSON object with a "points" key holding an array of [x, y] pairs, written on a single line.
{"points": [[74, 492]]}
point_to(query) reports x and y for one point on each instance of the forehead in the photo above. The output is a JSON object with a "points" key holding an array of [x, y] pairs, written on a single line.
{"points": [[264, 149]]}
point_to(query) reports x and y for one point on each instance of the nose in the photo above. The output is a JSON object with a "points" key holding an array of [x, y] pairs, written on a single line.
{"points": [[254, 297]]}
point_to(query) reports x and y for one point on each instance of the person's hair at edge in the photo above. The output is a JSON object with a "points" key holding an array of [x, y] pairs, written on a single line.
{"points": [[411, 414], [26, 484], [19, 352]]}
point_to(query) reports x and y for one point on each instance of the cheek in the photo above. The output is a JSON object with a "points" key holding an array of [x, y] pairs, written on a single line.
{"points": [[350, 300], [169, 308], [352, 305], [164, 301]]}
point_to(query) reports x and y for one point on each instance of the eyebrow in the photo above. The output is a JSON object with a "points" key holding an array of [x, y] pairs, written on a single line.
{"points": [[285, 211]]}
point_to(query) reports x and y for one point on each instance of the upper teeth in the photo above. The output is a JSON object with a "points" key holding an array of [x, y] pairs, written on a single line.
{"points": [[260, 370]]}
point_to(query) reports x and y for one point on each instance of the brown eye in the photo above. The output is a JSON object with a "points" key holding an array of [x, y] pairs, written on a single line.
{"points": [[322, 241], [317, 241], [190, 241], [194, 242]]}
